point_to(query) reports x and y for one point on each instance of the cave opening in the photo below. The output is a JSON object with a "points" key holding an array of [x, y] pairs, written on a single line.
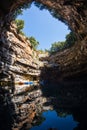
{"points": [[45, 28]]}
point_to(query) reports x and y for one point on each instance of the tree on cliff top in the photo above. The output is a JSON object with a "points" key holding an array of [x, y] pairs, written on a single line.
{"points": [[60, 46], [20, 25], [34, 43]]}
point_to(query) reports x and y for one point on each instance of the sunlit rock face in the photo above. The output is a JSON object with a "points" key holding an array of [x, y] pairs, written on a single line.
{"points": [[17, 55]]}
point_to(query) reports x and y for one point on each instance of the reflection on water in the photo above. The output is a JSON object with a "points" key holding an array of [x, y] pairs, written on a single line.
{"points": [[68, 101], [54, 122]]}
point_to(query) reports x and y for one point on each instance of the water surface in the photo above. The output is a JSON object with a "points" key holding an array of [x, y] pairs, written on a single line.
{"points": [[53, 120]]}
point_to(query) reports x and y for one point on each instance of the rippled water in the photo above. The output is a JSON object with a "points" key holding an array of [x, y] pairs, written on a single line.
{"points": [[55, 122]]}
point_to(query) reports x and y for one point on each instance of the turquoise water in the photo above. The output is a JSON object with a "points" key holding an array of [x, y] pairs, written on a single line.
{"points": [[52, 120]]}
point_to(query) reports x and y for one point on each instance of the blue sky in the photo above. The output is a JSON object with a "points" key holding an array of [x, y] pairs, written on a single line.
{"points": [[42, 26]]}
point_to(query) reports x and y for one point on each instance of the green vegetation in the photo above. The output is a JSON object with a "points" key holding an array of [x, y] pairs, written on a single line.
{"points": [[20, 26], [70, 39], [60, 46], [34, 43], [55, 47]]}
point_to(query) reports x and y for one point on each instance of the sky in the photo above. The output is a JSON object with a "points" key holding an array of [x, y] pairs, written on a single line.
{"points": [[42, 26]]}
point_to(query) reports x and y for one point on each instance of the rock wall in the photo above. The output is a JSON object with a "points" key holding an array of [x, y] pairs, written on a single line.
{"points": [[18, 64], [16, 54], [68, 64]]}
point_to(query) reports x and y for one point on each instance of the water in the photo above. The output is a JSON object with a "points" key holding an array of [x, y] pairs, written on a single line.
{"points": [[68, 101], [53, 120]]}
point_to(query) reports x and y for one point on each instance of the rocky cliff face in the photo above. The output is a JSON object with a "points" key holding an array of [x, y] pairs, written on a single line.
{"points": [[16, 54], [18, 64], [68, 64]]}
